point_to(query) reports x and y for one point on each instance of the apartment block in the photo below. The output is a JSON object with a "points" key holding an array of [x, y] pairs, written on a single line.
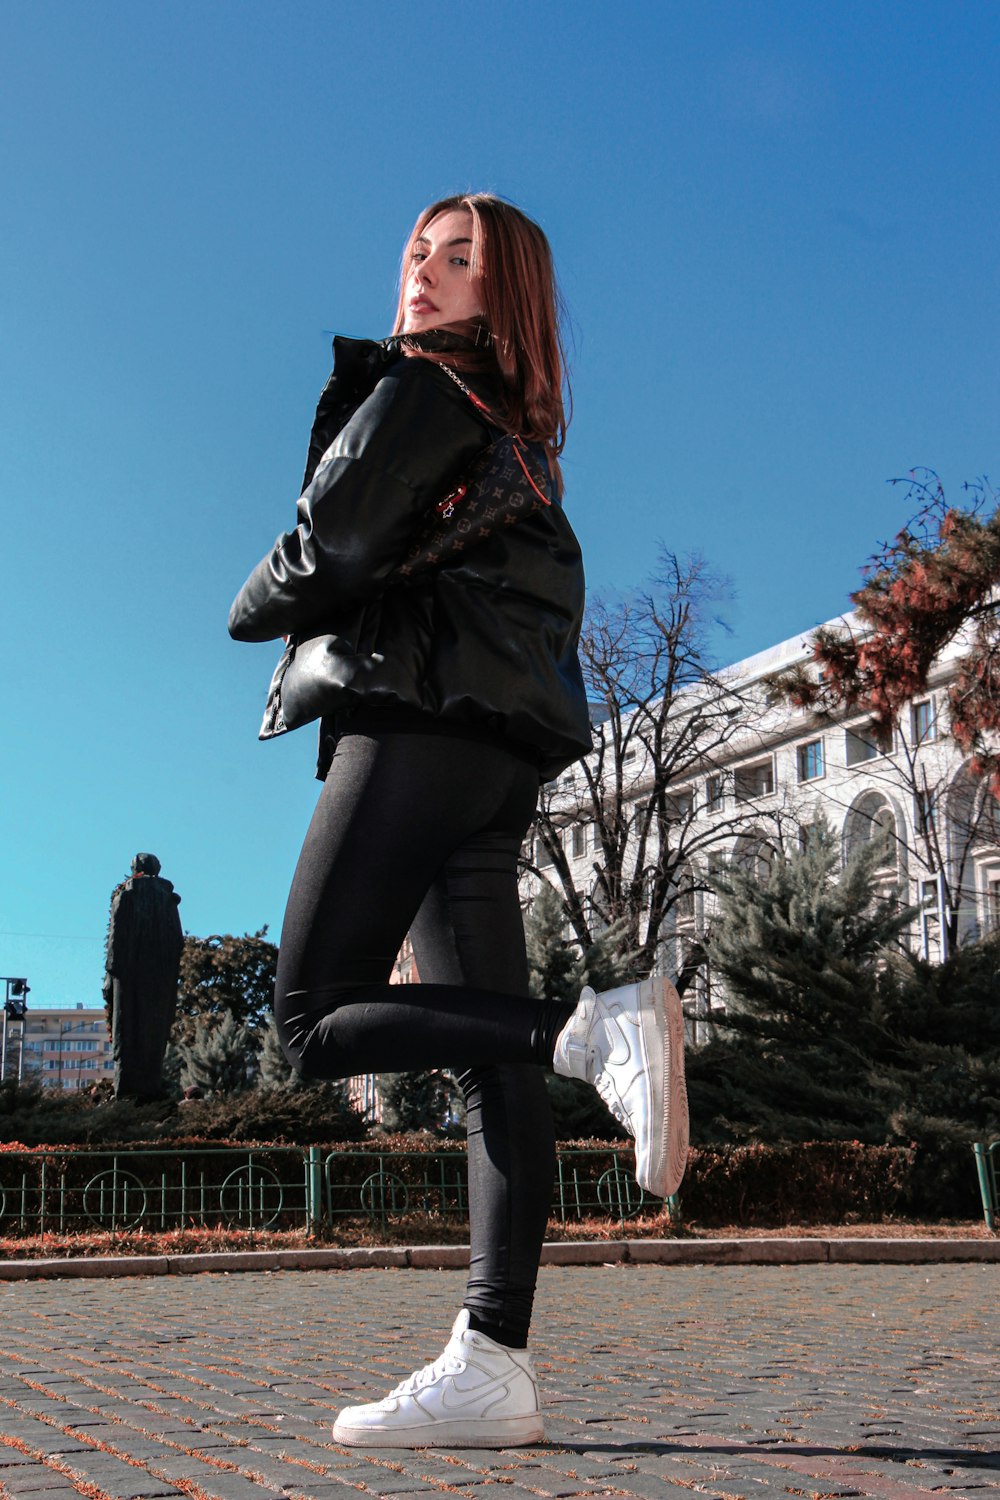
{"points": [[65, 1047]]}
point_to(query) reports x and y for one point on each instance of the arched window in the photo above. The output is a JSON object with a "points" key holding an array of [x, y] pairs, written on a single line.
{"points": [[973, 814], [753, 854], [873, 817], [973, 853]]}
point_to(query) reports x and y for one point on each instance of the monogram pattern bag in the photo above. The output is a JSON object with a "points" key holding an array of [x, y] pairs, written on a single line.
{"points": [[503, 485]]}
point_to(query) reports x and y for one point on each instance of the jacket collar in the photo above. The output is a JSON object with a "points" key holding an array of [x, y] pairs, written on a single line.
{"points": [[358, 366]]}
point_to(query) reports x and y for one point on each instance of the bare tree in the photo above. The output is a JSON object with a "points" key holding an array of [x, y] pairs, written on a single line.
{"points": [[623, 834]]}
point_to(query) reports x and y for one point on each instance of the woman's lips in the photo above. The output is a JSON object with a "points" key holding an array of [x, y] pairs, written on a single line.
{"points": [[422, 305]]}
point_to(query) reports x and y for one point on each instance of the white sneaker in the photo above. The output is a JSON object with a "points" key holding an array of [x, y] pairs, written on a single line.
{"points": [[629, 1043], [477, 1394]]}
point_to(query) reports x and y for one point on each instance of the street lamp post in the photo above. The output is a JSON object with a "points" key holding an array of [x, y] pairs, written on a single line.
{"points": [[14, 1006]]}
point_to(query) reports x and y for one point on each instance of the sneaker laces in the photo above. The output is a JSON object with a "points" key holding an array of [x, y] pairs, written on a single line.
{"points": [[605, 1087], [445, 1364]]}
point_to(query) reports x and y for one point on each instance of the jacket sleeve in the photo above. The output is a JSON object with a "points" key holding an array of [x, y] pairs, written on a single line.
{"points": [[400, 452]]}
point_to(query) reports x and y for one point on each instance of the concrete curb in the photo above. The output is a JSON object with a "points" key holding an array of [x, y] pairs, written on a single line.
{"points": [[745, 1252]]}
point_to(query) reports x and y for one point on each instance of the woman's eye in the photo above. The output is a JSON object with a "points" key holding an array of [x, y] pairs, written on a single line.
{"points": [[459, 260]]}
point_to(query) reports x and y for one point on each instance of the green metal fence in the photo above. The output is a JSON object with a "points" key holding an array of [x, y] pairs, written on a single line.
{"points": [[69, 1191], [987, 1168], [279, 1187], [599, 1184], [387, 1186]]}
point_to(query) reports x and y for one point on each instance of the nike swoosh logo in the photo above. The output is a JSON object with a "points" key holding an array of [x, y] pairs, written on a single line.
{"points": [[454, 1398]]}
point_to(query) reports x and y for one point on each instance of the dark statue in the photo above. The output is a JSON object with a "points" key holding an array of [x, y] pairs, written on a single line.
{"points": [[140, 983]]}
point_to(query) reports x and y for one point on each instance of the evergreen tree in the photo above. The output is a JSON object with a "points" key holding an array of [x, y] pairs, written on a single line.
{"points": [[430, 1101], [172, 1064], [273, 1069], [219, 1059], [944, 1022], [802, 1053], [553, 963], [557, 970]]}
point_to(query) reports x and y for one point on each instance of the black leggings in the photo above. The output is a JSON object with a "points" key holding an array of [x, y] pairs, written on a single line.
{"points": [[421, 832]]}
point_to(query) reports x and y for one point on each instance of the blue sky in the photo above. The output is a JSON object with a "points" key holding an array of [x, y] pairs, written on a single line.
{"points": [[776, 227]]}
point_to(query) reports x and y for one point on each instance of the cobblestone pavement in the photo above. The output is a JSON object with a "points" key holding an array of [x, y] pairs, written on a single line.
{"points": [[814, 1380]]}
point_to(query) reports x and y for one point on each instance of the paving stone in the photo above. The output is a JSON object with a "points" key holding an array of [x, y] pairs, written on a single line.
{"points": [[330, 1489], [830, 1379], [384, 1482], [652, 1487], [42, 1489], [120, 1481], [270, 1469], [219, 1485], [324, 1488]]}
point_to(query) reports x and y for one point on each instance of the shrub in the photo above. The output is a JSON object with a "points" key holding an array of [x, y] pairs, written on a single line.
{"points": [[277, 1116], [302, 1117], [817, 1182]]}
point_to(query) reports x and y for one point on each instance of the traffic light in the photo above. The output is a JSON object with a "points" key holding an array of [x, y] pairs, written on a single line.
{"points": [[17, 998]]}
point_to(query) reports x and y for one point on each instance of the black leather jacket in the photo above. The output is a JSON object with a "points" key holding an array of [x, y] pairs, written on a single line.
{"points": [[489, 642]]}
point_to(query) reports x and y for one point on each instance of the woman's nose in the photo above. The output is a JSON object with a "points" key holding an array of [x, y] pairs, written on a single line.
{"points": [[426, 272]]}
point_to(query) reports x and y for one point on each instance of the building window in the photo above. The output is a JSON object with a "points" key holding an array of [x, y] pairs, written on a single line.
{"points": [[715, 797], [923, 804], [754, 781], [809, 835], [858, 748], [883, 826], [684, 906], [867, 742], [930, 919], [992, 895], [809, 759], [579, 840], [678, 806], [923, 721], [543, 858]]}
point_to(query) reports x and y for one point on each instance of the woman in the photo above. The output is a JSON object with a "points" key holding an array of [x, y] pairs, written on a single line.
{"points": [[446, 691]]}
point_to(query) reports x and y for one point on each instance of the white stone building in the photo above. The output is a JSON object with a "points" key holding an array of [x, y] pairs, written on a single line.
{"points": [[758, 789]]}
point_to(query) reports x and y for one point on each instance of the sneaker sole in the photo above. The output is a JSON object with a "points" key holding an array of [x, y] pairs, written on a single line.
{"points": [[663, 1036], [496, 1432]]}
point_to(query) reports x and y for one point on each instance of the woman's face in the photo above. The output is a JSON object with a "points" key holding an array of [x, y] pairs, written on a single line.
{"points": [[439, 288]]}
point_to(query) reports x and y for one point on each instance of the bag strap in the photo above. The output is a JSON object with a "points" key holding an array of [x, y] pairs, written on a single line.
{"points": [[477, 401], [518, 441]]}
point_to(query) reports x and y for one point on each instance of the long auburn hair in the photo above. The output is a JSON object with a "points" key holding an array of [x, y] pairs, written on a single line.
{"points": [[521, 314]]}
